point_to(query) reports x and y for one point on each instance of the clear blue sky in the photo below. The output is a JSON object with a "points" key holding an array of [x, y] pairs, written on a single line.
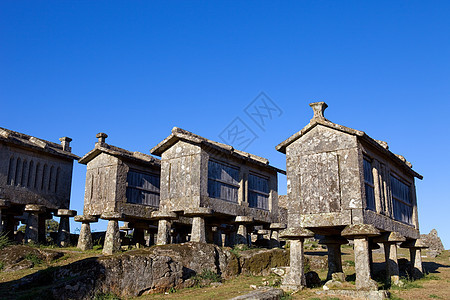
{"points": [[135, 69]]}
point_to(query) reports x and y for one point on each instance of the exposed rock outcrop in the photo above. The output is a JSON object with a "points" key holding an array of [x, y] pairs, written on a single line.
{"points": [[156, 269], [20, 257], [434, 243]]}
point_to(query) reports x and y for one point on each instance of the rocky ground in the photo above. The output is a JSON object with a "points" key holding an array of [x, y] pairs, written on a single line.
{"points": [[187, 271]]}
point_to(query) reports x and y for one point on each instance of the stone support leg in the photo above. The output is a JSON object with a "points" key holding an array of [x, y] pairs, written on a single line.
{"points": [[85, 238], [198, 233], [112, 238], [392, 272], [41, 229], [295, 278], [32, 228], [362, 265], [241, 236], [1, 221], [8, 226], [139, 237], [218, 237], [334, 259], [416, 262], [163, 232], [64, 231]]}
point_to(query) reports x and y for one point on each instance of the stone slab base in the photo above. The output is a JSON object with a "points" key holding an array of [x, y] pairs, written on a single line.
{"points": [[370, 295], [262, 294]]}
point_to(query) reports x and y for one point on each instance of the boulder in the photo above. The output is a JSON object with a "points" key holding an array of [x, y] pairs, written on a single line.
{"points": [[260, 262], [312, 279], [18, 257], [265, 293], [434, 243], [126, 275]]}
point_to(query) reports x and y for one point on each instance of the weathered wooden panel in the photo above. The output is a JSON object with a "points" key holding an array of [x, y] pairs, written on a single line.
{"points": [[143, 188], [258, 191], [401, 200], [223, 181], [369, 184]]}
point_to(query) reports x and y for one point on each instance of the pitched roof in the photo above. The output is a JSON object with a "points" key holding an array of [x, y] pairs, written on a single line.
{"points": [[137, 157], [181, 134], [319, 119], [27, 141]]}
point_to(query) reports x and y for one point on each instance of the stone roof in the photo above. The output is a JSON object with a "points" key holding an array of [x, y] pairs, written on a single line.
{"points": [[102, 147], [319, 119], [30, 142], [181, 134]]}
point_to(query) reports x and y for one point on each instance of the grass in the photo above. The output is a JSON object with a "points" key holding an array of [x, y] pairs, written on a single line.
{"points": [[350, 263], [34, 259], [108, 296], [206, 276], [4, 240], [2, 265]]}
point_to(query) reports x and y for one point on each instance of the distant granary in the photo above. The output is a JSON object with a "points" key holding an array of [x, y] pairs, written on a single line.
{"points": [[224, 191], [35, 183], [120, 186], [342, 184]]}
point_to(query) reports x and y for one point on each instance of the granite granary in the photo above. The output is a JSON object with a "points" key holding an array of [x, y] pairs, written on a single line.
{"points": [[35, 183], [343, 185], [120, 185], [224, 191]]}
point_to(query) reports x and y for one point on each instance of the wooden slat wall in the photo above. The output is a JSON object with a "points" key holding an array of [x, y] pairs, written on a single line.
{"points": [[143, 188], [258, 194], [401, 198], [223, 181], [369, 185]]}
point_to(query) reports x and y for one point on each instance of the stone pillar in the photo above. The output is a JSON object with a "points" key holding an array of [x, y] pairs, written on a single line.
{"points": [[415, 252], [242, 232], [164, 225], [163, 232], [390, 240], [9, 225], [390, 254], [218, 236], [4, 204], [85, 237], [63, 239], [295, 278], [139, 236], [32, 227], [275, 238], [360, 234], [416, 262], [112, 237], [198, 233], [333, 244]]}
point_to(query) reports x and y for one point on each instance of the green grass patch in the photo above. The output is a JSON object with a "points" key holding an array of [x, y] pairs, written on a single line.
{"points": [[108, 296], [4, 240], [350, 263], [433, 296], [34, 259], [2, 265], [208, 276]]}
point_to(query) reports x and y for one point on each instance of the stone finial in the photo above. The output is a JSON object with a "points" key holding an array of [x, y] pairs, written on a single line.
{"points": [[101, 137], [65, 143], [318, 108]]}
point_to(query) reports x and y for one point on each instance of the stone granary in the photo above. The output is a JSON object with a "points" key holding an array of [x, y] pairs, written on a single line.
{"points": [[35, 183], [120, 185], [343, 185], [223, 190]]}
